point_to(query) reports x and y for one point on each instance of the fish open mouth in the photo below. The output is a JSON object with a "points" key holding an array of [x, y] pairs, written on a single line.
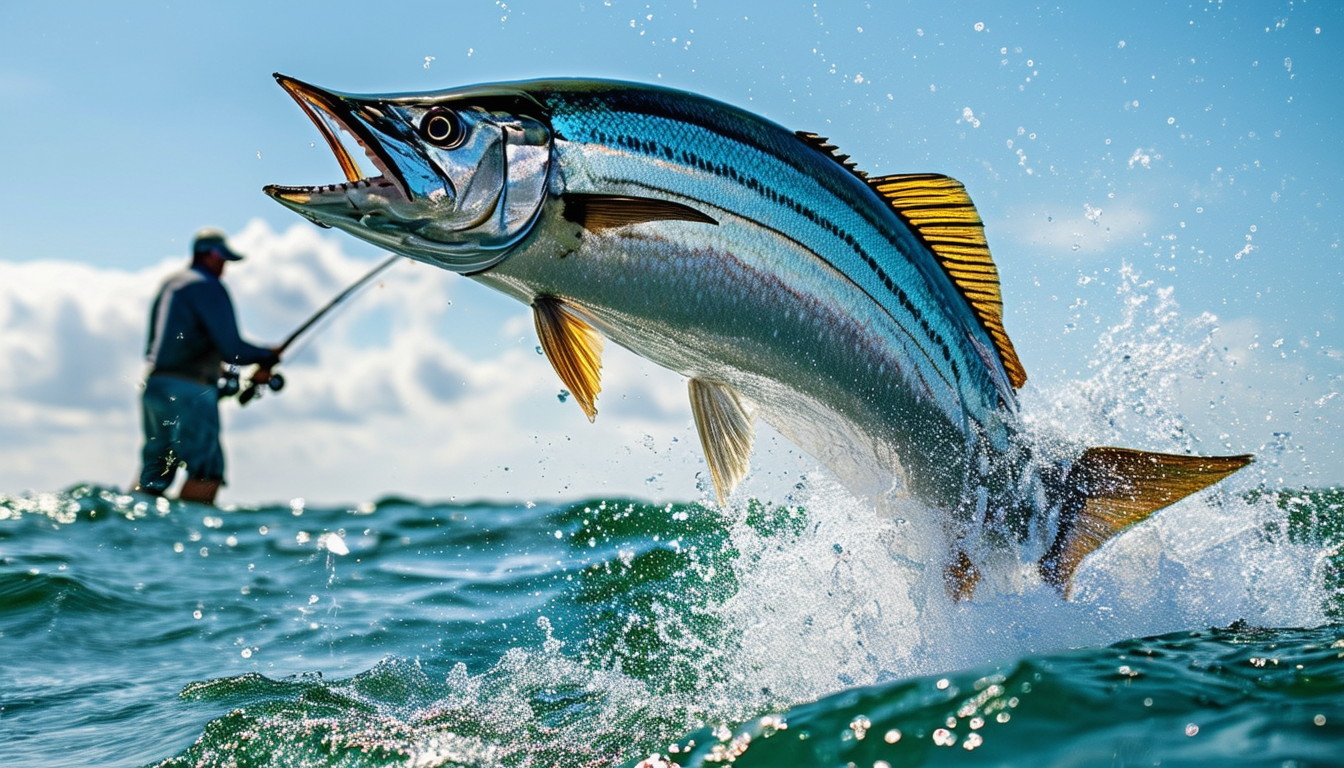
{"points": [[333, 118]]}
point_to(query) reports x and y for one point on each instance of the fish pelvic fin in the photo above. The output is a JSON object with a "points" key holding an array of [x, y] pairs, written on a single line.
{"points": [[599, 212], [574, 348], [1110, 489], [960, 577], [726, 433]]}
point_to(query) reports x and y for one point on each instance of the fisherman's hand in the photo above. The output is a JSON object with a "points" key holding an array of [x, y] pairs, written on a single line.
{"points": [[261, 375]]}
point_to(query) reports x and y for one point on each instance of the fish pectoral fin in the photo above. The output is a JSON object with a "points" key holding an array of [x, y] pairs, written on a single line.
{"points": [[598, 212], [574, 348], [1109, 489], [726, 433]]}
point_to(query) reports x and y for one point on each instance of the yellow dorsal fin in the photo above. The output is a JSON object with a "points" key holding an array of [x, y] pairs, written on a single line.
{"points": [[574, 348], [1110, 489], [726, 433], [940, 212]]}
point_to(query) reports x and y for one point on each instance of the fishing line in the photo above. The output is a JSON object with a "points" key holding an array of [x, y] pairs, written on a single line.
{"points": [[277, 382]]}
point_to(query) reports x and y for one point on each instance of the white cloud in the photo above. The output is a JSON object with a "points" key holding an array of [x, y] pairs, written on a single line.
{"points": [[1072, 229], [429, 385], [425, 384]]}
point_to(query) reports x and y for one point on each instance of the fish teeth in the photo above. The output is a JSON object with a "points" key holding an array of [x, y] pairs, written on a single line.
{"points": [[377, 181]]}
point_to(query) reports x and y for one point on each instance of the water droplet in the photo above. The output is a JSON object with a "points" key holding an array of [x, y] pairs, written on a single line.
{"points": [[333, 543]]}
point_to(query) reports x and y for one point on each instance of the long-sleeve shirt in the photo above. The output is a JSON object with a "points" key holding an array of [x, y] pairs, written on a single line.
{"points": [[192, 329]]}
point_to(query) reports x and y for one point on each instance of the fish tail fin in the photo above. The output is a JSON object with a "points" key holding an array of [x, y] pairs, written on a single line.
{"points": [[1109, 489]]}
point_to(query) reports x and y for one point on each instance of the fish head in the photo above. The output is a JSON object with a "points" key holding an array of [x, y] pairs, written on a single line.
{"points": [[461, 174]]}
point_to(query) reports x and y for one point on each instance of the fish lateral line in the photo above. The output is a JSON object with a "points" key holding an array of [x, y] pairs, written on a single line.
{"points": [[475, 181]]}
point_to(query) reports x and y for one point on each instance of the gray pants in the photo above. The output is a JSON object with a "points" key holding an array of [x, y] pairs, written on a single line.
{"points": [[181, 426]]}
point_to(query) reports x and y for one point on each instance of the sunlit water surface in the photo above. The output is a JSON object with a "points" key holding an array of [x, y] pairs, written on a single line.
{"points": [[600, 633], [804, 630]]}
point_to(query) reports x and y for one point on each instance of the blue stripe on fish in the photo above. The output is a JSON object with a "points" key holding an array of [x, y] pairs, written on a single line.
{"points": [[862, 317]]}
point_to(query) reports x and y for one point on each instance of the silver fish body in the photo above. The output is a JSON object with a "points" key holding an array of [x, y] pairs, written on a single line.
{"points": [[724, 247]]}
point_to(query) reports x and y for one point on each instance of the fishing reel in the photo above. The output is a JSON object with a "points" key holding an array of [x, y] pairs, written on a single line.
{"points": [[254, 390], [228, 383]]}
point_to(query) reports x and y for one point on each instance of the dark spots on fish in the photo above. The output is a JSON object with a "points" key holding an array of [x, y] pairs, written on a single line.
{"points": [[653, 148]]}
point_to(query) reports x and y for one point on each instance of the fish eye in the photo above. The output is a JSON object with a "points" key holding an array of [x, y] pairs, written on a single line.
{"points": [[442, 128]]}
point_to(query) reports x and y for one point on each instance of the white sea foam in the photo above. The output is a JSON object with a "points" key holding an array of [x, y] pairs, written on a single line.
{"points": [[858, 597]]}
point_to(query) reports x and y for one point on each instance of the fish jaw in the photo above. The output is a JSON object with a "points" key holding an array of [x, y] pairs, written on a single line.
{"points": [[334, 115], [459, 205]]}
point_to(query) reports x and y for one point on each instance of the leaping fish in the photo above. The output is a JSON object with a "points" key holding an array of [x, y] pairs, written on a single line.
{"points": [[859, 315]]}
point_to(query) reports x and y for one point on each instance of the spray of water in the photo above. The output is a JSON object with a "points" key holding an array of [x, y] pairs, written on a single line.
{"points": [[828, 593], [857, 597]]}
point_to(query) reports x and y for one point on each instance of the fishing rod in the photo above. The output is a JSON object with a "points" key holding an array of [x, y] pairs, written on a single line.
{"points": [[277, 382]]}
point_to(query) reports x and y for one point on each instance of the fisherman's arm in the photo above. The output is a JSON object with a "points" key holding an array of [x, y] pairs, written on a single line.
{"points": [[216, 313]]}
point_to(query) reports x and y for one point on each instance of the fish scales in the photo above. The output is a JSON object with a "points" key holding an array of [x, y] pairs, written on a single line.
{"points": [[859, 316], [746, 172], [773, 184]]}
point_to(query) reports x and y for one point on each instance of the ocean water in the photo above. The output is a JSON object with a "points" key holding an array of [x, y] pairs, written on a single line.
{"points": [[611, 631]]}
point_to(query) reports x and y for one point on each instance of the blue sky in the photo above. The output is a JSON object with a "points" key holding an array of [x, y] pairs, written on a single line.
{"points": [[1184, 152]]}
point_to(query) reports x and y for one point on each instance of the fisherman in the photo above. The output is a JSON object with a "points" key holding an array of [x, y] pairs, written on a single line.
{"points": [[192, 333]]}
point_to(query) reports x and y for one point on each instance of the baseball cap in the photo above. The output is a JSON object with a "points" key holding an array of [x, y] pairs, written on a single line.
{"points": [[213, 239]]}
